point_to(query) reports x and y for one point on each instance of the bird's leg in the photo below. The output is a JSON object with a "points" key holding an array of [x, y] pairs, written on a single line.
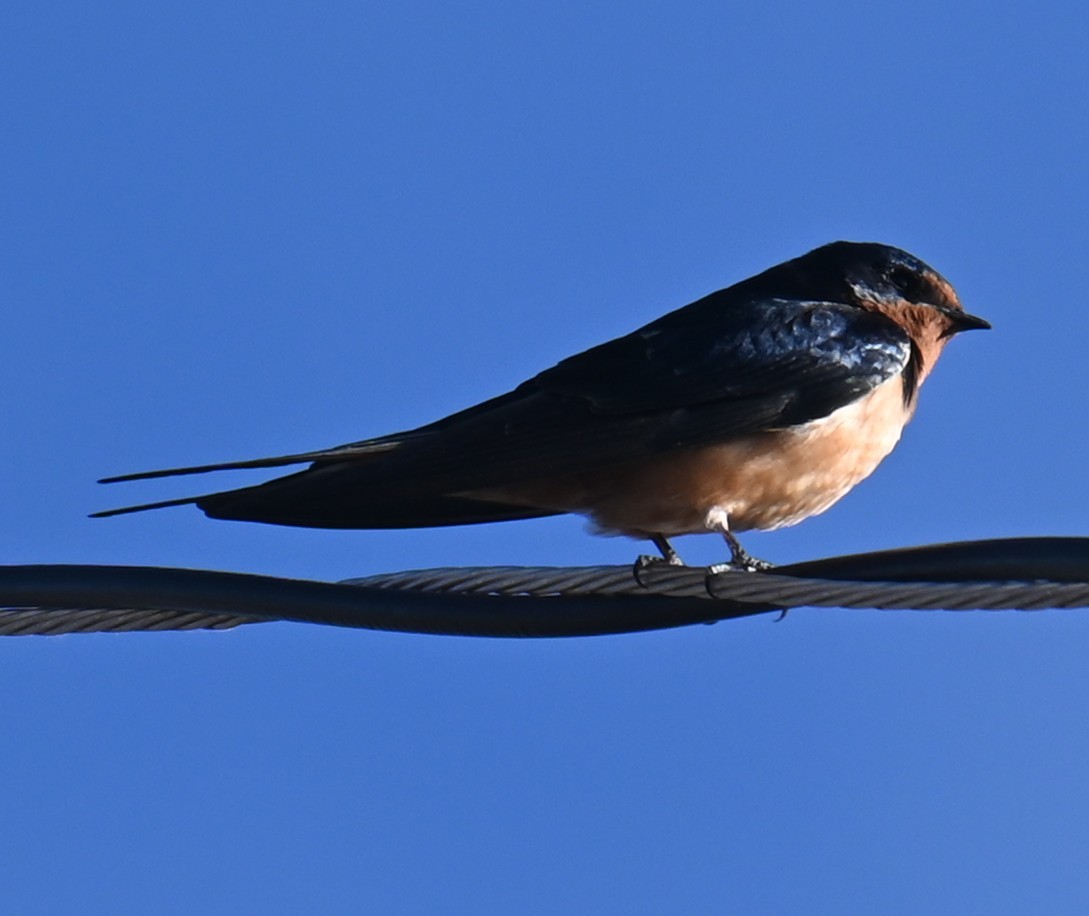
{"points": [[739, 557], [668, 553], [669, 556]]}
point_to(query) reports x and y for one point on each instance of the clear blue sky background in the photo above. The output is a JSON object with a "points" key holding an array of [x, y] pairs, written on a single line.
{"points": [[236, 229]]}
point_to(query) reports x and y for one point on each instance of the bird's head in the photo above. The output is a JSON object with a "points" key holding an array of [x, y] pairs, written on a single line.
{"points": [[884, 279]]}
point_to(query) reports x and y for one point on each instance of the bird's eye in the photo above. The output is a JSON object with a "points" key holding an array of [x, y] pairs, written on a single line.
{"points": [[907, 282], [902, 276]]}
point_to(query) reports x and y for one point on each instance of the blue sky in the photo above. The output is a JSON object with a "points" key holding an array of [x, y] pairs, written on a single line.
{"points": [[230, 230]]}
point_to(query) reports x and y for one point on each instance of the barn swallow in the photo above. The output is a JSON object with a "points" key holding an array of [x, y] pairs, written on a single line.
{"points": [[757, 406]]}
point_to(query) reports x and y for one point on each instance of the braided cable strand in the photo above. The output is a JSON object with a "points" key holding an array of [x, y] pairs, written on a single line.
{"points": [[548, 581], [734, 585], [920, 596], [58, 622], [1026, 574]]}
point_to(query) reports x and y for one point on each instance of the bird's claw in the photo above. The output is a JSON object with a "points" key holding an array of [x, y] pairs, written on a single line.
{"points": [[740, 558], [752, 564], [743, 563], [648, 561]]}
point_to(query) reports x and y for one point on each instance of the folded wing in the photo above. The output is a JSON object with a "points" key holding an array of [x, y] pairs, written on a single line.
{"points": [[715, 370]]}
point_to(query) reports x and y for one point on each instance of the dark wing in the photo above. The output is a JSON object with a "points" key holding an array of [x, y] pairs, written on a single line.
{"points": [[809, 357], [706, 373]]}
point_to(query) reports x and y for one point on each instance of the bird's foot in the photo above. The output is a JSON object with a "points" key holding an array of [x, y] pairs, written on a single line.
{"points": [[648, 561], [740, 558], [669, 554], [669, 557], [749, 566]]}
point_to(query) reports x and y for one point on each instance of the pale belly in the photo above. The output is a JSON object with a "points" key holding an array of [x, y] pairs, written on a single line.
{"points": [[767, 480]]}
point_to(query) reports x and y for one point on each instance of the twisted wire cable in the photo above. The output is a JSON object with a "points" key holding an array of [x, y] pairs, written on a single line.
{"points": [[736, 585], [1022, 573]]}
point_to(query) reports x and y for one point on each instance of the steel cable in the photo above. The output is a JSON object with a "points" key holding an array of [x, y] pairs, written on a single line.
{"points": [[1025, 574]]}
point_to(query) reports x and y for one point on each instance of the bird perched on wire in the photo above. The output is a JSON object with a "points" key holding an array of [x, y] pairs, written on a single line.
{"points": [[757, 406]]}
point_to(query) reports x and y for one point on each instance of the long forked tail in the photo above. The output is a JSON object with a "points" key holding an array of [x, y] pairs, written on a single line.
{"points": [[163, 504], [338, 453], [355, 450], [319, 499]]}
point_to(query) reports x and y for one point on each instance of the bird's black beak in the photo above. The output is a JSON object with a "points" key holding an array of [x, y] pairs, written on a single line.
{"points": [[966, 322], [961, 321]]}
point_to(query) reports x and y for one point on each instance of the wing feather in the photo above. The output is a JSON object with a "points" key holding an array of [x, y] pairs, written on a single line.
{"points": [[720, 368]]}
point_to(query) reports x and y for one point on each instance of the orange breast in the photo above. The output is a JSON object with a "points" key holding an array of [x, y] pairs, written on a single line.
{"points": [[766, 480]]}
